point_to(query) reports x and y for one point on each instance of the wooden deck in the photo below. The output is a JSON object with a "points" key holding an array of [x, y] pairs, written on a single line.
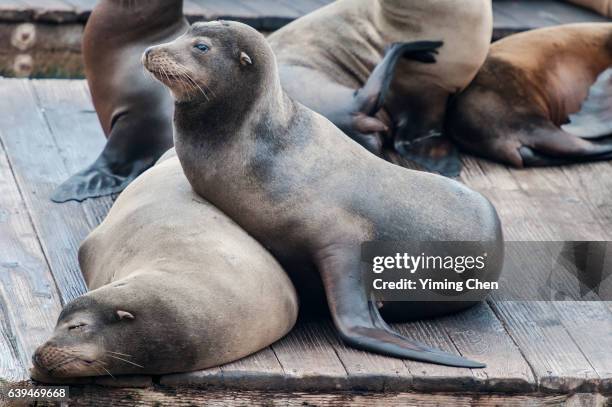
{"points": [[42, 38], [535, 351]]}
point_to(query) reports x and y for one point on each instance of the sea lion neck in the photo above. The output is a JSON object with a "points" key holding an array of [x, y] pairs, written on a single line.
{"points": [[228, 117]]}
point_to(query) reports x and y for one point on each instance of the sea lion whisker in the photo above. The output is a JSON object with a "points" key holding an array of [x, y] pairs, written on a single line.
{"points": [[119, 353], [184, 72], [126, 361], [107, 371]]}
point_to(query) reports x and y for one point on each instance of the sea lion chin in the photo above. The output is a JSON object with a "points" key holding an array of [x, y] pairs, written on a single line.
{"points": [[310, 194]]}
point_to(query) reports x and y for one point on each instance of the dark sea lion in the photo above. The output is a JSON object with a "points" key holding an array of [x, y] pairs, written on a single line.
{"points": [[302, 188], [333, 57], [527, 89], [134, 110], [176, 286]]}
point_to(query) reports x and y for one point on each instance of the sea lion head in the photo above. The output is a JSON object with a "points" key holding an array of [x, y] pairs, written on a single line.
{"points": [[219, 58], [123, 328]]}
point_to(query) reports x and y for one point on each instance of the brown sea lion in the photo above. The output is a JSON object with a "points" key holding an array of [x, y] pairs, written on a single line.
{"points": [[331, 60], [176, 286], [527, 89], [302, 188], [134, 110]]}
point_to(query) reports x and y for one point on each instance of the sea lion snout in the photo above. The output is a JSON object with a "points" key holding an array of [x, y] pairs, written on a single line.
{"points": [[53, 359]]}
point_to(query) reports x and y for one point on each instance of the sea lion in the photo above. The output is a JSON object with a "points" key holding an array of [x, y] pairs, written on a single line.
{"points": [[326, 56], [176, 286], [529, 85], [135, 112], [302, 188]]}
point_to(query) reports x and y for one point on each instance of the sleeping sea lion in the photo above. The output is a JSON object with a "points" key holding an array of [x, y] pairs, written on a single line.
{"points": [[176, 286], [331, 60], [302, 188], [134, 110], [530, 84]]}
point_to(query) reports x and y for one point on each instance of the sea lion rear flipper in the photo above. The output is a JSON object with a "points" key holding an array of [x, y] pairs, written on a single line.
{"points": [[358, 320], [549, 145], [594, 120]]}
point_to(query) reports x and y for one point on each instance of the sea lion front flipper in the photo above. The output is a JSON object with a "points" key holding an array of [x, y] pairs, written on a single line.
{"points": [[132, 148], [358, 320], [435, 152], [594, 120], [369, 99], [98, 180]]}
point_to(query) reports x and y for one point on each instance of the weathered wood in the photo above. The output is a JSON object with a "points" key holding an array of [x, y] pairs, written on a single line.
{"points": [[96, 396], [307, 359], [34, 160], [540, 204], [29, 302], [72, 120]]}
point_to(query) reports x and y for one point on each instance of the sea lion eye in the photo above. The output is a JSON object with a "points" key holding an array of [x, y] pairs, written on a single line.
{"points": [[201, 47], [76, 326]]}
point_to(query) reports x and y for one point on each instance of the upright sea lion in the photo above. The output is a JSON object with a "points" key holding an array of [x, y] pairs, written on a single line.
{"points": [[176, 286], [326, 56], [529, 85], [134, 110], [302, 188]]}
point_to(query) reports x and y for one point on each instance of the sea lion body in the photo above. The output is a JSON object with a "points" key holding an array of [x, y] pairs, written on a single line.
{"points": [[527, 89], [200, 291], [298, 185], [338, 46], [135, 112]]}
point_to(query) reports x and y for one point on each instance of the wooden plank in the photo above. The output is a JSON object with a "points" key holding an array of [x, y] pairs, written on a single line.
{"points": [[479, 335], [56, 11], [308, 360], [369, 371], [540, 204], [29, 302], [589, 323], [97, 396], [69, 113], [61, 228], [512, 16]]}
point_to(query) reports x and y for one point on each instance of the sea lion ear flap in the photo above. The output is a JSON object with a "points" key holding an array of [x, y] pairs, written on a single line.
{"points": [[124, 315], [245, 59]]}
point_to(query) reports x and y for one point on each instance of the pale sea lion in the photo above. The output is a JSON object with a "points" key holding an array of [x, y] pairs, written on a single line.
{"points": [[134, 110], [302, 188], [527, 89], [176, 286], [326, 56]]}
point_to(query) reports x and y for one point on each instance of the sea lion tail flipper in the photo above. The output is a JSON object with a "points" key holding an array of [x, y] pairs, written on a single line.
{"points": [[371, 96], [549, 145], [358, 320]]}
